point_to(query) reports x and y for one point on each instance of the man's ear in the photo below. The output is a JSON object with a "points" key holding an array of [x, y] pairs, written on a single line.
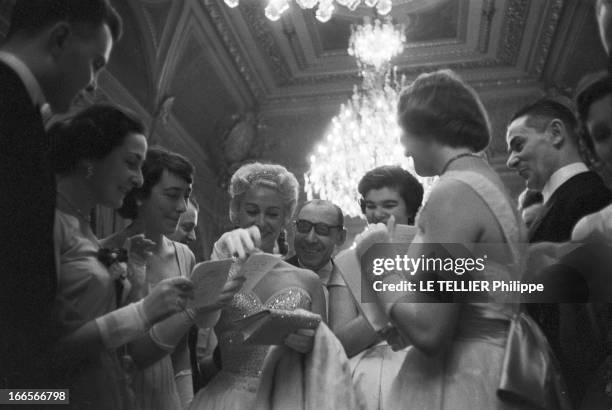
{"points": [[58, 37], [558, 132], [341, 237]]}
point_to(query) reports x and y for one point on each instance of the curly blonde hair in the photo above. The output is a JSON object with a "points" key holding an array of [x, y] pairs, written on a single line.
{"points": [[271, 176]]}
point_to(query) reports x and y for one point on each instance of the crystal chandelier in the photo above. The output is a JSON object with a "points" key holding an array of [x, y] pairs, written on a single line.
{"points": [[325, 8], [375, 44], [365, 133]]}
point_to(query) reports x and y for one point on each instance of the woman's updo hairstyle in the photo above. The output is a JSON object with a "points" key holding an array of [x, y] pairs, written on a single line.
{"points": [[441, 106], [91, 134], [271, 176]]}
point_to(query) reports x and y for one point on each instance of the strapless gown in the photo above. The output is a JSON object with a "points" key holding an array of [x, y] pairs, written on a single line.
{"points": [[468, 374], [235, 386]]}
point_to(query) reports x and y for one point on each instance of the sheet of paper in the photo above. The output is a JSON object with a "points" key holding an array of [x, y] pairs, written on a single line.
{"points": [[208, 279], [404, 233], [255, 268], [348, 264]]}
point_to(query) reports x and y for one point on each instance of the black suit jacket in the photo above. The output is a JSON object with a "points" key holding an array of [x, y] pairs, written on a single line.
{"points": [[27, 206], [578, 353], [579, 196]]}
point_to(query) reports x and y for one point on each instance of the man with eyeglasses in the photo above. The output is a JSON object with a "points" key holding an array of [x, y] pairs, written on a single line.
{"points": [[319, 229]]}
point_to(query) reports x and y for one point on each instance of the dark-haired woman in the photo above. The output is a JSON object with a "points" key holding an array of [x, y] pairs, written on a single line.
{"points": [[385, 191], [163, 380], [456, 358], [97, 157]]}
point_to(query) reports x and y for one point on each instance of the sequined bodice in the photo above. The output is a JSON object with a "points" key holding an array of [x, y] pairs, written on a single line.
{"points": [[247, 360]]}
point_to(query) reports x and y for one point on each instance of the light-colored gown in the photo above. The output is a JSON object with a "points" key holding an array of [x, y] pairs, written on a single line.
{"points": [[235, 386], [467, 375], [154, 386], [85, 292], [374, 371]]}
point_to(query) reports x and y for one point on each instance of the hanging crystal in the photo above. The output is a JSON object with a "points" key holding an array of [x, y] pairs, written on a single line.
{"points": [[325, 9], [307, 4], [384, 7], [364, 134], [276, 8]]}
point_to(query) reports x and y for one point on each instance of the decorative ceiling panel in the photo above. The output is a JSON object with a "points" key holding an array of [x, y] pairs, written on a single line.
{"points": [[219, 62], [298, 56], [201, 96], [156, 13]]}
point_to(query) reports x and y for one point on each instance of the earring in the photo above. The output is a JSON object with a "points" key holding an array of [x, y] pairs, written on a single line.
{"points": [[89, 172]]}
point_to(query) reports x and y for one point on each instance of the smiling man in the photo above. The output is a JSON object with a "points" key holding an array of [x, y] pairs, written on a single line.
{"points": [[541, 140], [52, 51], [319, 229], [543, 150]]}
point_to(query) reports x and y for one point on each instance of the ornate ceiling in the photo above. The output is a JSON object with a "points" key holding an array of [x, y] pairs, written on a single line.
{"points": [[225, 85], [189, 47], [218, 62], [194, 68]]}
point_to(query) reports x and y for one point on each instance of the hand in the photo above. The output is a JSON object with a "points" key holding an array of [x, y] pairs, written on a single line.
{"points": [[139, 249], [226, 295], [393, 337], [375, 233], [167, 298], [540, 256], [593, 228], [240, 243], [301, 341]]}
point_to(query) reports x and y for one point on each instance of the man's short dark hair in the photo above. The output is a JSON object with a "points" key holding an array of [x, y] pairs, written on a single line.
{"points": [[541, 112], [31, 16], [390, 176]]}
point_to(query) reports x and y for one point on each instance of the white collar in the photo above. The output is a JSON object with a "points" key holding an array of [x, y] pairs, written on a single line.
{"points": [[26, 76], [560, 176]]}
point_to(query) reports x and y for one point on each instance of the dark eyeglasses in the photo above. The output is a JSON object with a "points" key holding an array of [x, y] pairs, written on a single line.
{"points": [[321, 228]]}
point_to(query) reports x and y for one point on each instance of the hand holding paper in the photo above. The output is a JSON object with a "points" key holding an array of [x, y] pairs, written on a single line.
{"points": [[349, 265], [210, 279], [239, 243], [302, 340]]}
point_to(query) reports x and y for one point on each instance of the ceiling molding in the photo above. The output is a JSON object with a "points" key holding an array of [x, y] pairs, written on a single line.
{"points": [[213, 8], [112, 89]]}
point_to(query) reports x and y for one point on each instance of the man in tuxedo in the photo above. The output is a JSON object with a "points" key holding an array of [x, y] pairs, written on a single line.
{"points": [[543, 149], [53, 50], [319, 230]]}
